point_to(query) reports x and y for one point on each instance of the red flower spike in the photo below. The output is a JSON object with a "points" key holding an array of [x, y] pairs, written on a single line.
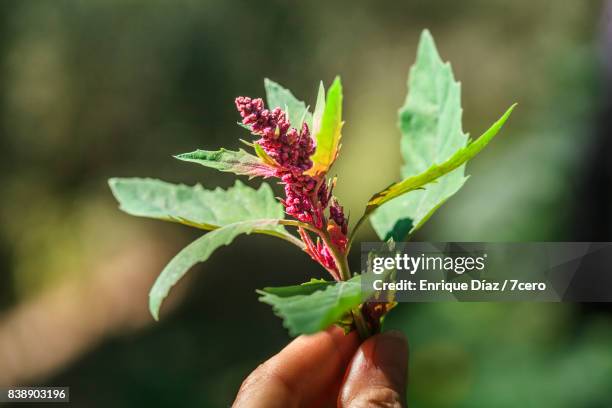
{"points": [[306, 197]]}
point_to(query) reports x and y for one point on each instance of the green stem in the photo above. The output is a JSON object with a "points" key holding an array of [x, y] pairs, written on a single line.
{"points": [[299, 224], [340, 258], [287, 237], [354, 231]]}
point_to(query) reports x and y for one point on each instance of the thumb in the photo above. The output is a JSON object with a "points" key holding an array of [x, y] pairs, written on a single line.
{"points": [[377, 374]]}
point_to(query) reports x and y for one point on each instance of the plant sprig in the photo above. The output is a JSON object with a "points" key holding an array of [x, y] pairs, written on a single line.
{"points": [[299, 148]]}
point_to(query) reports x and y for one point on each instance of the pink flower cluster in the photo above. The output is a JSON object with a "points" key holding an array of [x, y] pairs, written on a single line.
{"points": [[292, 151], [306, 197]]}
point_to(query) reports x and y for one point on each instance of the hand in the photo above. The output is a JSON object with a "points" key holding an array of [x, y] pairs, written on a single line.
{"points": [[331, 369]]}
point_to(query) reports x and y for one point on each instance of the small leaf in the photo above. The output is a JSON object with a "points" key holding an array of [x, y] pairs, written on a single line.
{"points": [[265, 157], [314, 306], [237, 162], [329, 135], [279, 97], [317, 116], [242, 125], [247, 143], [195, 206], [199, 251]]}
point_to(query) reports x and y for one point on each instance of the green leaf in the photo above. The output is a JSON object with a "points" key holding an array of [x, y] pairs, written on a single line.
{"points": [[436, 171], [433, 146], [328, 137], [237, 162], [265, 157], [305, 288], [317, 116], [195, 206], [314, 306], [279, 97], [242, 125], [199, 251]]}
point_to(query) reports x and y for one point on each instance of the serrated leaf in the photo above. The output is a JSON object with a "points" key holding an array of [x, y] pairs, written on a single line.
{"points": [[433, 147], [328, 137], [280, 97], [237, 162], [309, 308], [195, 206], [199, 251]]}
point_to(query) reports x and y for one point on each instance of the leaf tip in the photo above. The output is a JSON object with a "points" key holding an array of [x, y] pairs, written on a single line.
{"points": [[426, 35], [113, 184], [508, 112], [427, 41], [337, 83], [154, 308], [189, 156], [427, 48]]}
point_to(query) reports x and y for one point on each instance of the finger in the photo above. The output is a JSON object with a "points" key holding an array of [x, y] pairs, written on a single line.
{"points": [[377, 374], [301, 374]]}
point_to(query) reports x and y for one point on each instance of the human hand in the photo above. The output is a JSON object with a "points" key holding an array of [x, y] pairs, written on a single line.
{"points": [[331, 369]]}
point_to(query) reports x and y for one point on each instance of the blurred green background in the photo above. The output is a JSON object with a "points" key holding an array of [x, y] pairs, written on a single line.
{"points": [[94, 89]]}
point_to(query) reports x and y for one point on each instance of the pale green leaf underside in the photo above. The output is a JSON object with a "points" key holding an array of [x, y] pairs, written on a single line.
{"points": [[237, 162], [327, 139], [312, 307], [195, 206], [199, 251], [279, 97], [430, 123]]}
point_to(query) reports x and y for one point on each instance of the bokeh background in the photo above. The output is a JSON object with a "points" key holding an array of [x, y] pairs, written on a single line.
{"points": [[100, 88]]}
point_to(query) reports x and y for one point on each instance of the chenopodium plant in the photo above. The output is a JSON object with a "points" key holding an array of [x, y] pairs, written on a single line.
{"points": [[298, 148]]}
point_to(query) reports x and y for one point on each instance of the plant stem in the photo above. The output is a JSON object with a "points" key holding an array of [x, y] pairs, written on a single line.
{"points": [[299, 224], [341, 260], [361, 220], [287, 237], [360, 324], [345, 274], [344, 269]]}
